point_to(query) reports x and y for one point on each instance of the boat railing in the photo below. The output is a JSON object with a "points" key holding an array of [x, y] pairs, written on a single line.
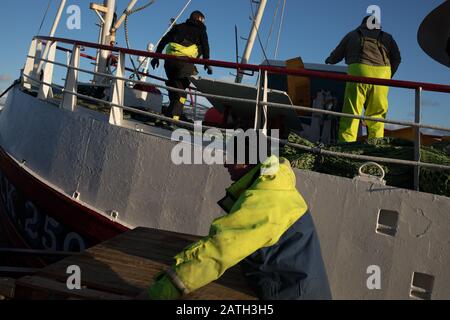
{"points": [[38, 71]]}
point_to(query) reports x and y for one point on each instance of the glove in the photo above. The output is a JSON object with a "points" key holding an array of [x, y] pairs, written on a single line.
{"points": [[328, 61], [155, 63], [163, 289], [208, 69]]}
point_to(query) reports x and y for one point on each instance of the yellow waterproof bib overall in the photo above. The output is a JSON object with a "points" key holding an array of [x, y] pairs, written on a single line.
{"points": [[359, 95]]}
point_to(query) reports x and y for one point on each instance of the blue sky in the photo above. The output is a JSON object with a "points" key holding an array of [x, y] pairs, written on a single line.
{"points": [[311, 30]]}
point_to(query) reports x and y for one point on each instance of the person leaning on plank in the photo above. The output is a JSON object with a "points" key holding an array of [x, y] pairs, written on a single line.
{"points": [[268, 229]]}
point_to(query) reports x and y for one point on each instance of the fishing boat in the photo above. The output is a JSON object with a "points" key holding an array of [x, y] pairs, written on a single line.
{"points": [[84, 162]]}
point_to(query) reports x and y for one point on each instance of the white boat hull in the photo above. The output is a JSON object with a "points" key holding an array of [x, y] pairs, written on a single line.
{"points": [[126, 176]]}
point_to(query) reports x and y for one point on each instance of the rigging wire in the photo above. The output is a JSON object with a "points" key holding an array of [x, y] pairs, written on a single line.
{"points": [[257, 33], [260, 42], [174, 21], [127, 39], [44, 17], [273, 23], [279, 31]]}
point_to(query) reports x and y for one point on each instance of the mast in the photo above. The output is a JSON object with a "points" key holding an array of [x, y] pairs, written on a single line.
{"points": [[58, 17], [53, 31], [110, 6], [252, 37]]}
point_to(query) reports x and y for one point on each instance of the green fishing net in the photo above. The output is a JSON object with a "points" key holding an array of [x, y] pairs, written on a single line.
{"points": [[436, 181]]}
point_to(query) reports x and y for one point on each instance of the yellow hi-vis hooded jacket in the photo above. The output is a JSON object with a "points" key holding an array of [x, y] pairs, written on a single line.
{"points": [[262, 211]]}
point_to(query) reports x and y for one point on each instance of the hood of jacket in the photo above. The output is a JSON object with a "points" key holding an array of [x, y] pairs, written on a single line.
{"points": [[363, 27], [196, 23], [274, 174]]}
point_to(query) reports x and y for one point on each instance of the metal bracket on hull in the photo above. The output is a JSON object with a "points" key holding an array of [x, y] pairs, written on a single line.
{"points": [[371, 178]]}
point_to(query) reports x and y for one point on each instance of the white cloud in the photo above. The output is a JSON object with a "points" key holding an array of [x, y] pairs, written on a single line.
{"points": [[227, 78], [430, 103], [391, 126], [5, 77], [435, 132]]}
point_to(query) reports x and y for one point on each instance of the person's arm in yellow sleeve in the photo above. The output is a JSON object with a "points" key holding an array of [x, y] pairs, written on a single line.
{"points": [[257, 221]]}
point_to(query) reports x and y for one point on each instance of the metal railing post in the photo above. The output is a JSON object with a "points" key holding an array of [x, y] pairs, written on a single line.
{"points": [[69, 101], [264, 107], [195, 105], [118, 92], [45, 91], [257, 108], [29, 68], [417, 137]]}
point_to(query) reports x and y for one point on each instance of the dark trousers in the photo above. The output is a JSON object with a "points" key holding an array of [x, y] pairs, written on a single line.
{"points": [[177, 99], [178, 73]]}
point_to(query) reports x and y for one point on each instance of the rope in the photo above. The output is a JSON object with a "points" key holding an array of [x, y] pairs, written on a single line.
{"points": [[44, 17], [279, 31], [127, 40]]}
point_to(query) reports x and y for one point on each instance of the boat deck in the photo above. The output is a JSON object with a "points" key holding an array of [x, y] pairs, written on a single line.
{"points": [[122, 268]]}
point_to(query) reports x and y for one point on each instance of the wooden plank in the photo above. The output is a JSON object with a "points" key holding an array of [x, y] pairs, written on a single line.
{"points": [[7, 287], [50, 289], [127, 278], [18, 270], [15, 251], [126, 266]]}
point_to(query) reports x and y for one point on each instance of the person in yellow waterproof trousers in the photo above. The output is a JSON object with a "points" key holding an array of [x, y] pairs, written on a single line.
{"points": [[369, 52], [268, 229]]}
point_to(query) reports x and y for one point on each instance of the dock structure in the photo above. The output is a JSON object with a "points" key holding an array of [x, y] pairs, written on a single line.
{"points": [[122, 268]]}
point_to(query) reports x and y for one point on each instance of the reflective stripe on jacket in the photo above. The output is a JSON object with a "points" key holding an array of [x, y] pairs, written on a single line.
{"points": [[262, 210], [192, 32], [182, 51]]}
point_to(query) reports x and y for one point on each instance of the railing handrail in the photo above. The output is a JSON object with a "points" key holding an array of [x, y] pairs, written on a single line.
{"points": [[270, 104], [116, 100], [251, 67], [316, 150]]}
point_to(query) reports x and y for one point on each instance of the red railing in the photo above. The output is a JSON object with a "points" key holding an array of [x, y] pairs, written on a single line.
{"points": [[270, 69], [265, 69]]}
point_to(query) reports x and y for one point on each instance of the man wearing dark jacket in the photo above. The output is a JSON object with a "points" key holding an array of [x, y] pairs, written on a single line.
{"points": [[369, 52], [189, 40]]}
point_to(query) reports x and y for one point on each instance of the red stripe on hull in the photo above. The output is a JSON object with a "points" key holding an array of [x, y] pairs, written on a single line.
{"points": [[15, 240], [76, 217]]}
